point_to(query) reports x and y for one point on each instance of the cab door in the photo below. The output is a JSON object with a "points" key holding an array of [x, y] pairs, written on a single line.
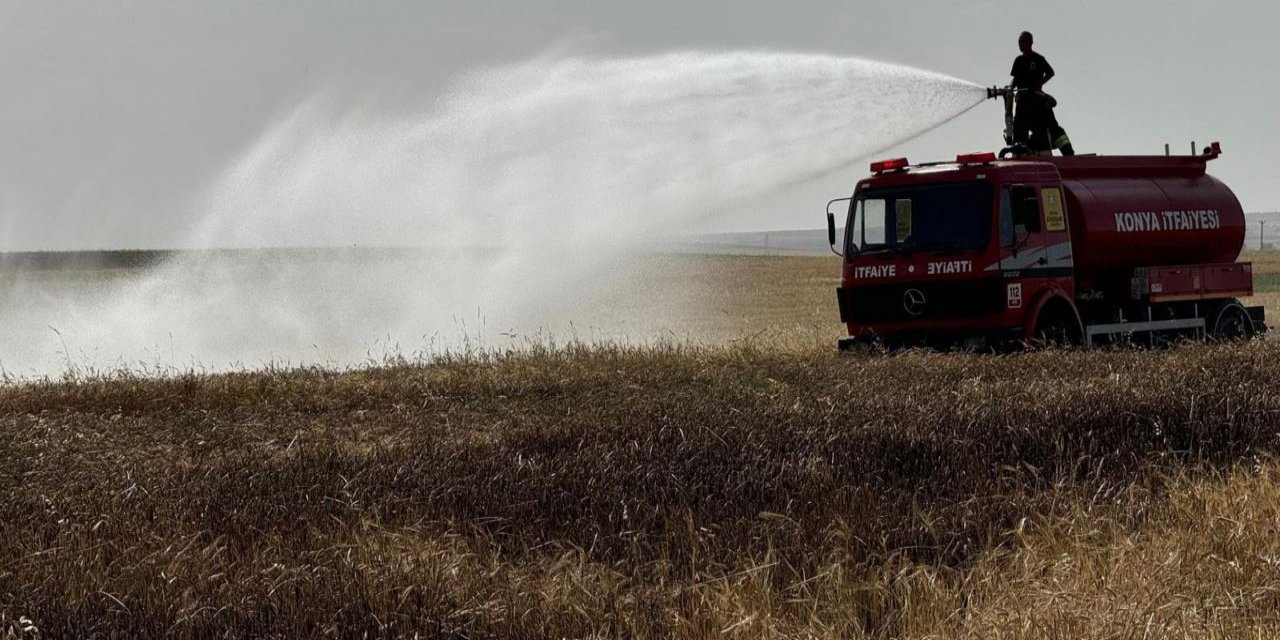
{"points": [[1035, 244]]}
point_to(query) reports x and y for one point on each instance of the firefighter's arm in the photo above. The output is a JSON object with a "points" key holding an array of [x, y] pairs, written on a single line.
{"points": [[1048, 73]]}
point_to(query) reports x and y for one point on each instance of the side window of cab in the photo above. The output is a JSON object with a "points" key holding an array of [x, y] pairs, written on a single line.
{"points": [[1019, 213]]}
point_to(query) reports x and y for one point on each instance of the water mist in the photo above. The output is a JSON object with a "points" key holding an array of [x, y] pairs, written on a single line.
{"points": [[508, 200]]}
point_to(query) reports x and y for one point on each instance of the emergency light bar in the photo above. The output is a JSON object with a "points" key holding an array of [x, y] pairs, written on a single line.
{"points": [[889, 165], [976, 158]]}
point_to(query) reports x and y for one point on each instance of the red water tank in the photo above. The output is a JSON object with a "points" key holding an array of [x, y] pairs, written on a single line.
{"points": [[1146, 211]]}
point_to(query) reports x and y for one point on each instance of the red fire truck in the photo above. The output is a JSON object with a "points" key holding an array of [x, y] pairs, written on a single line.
{"points": [[1083, 250]]}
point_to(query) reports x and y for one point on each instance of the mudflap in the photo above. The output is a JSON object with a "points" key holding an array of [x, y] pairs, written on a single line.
{"points": [[1258, 315], [855, 343]]}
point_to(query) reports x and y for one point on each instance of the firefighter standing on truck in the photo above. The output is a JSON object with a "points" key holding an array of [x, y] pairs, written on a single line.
{"points": [[1034, 123]]}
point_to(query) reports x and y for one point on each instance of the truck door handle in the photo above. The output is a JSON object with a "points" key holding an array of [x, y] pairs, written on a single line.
{"points": [[1042, 261]]}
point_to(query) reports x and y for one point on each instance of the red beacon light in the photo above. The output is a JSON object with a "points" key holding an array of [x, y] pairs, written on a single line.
{"points": [[976, 158], [896, 164]]}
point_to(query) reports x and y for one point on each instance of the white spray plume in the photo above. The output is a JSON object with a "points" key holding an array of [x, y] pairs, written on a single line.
{"points": [[521, 186]]}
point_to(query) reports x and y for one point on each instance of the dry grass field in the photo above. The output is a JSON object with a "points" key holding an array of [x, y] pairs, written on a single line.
{"points": [[1266, 279], [735, 299], [750, 484]]}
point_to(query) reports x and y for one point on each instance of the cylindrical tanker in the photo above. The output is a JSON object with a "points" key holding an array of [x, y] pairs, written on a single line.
{"points": [[1164, 211]]}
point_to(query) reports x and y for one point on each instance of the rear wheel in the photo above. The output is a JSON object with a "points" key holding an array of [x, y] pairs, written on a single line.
{"points": [[1231, 322]]}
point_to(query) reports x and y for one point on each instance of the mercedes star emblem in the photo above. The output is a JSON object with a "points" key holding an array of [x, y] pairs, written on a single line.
{"points": [[913, 302]]}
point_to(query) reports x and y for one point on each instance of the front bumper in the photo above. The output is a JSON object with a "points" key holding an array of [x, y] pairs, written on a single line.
{"points": [[939, 314], [993, 339]]}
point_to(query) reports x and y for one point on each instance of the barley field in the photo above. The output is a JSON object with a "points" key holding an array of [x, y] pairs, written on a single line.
{"points": [[749, 483]]}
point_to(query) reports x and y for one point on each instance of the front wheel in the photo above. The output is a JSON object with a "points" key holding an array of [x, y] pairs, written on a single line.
{"points": [[1055, 330]]}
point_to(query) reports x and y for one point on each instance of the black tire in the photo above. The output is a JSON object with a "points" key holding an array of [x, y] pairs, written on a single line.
{"points": [[1231, 322], [1056, 328]]}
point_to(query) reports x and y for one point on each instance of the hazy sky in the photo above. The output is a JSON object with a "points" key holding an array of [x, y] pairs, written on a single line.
{"points": [[116, 113]]}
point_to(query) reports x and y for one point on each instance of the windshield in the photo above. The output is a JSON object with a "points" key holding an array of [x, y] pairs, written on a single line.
{"points": [[932, 217]]}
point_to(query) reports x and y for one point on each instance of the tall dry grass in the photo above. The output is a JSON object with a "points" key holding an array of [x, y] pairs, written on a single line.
{"points": [[761, 487], [653, 492]]}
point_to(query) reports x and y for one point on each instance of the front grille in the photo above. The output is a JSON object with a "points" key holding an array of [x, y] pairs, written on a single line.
{"points": [[875, 304]]}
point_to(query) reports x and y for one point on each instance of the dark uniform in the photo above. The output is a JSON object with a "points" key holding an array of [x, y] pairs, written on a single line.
{"points": [[1030, 71], [1035, 124]]}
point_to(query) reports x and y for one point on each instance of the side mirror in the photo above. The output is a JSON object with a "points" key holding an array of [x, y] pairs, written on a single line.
{"points": [[831, 225]]}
